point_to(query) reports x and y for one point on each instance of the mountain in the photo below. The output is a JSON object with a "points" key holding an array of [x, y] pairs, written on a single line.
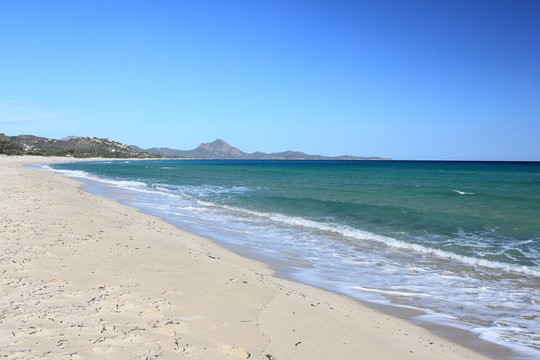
{"points": [[70, 146], [219, 149]]}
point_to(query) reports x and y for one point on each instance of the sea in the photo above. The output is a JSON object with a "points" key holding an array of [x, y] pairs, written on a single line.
{"points": [[457, 243]]}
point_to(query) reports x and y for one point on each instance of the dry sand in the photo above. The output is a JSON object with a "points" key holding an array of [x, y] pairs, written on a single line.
{"points": [[86, 277]]}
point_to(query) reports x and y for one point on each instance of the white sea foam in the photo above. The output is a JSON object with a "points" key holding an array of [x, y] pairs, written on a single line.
{"points": [[138, 186], [392, 292], [356, 234], [499, 335], [463, 192], [199, 191]]}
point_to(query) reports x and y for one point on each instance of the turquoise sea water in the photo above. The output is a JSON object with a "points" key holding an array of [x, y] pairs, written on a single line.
{"points": [[458, 240]]}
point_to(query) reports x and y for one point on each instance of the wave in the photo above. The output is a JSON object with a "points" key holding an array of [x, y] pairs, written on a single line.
{"points": [[125, 184], [463, 192], [392, 292], [198, 191], [356, 234]]}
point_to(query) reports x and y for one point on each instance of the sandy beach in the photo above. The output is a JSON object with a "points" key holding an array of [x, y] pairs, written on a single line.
{"points": [[86, 277]]}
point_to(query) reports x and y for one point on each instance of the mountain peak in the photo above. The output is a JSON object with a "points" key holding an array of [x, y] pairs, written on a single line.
{"points": [[217, 142], [218, 148]]}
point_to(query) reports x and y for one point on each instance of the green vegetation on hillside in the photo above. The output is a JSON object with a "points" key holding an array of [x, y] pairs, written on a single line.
{"points": [[79, 147], [10, 147]]}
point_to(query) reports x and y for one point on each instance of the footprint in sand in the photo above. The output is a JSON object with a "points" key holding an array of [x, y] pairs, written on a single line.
{"points": [[235, 351], [167, 330], [101, 350], [151, 313]]}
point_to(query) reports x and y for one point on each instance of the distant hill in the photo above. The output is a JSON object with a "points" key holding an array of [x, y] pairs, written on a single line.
{"points": [[84, 147], [219, 149], [75, 146]]}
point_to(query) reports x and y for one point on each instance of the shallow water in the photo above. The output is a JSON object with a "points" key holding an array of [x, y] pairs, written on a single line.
{"points": [[458, 240]]}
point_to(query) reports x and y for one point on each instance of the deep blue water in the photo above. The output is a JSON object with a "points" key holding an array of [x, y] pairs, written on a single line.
{"points": [[458, 240]]}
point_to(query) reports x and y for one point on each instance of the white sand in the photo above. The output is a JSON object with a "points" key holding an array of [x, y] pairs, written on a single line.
{"points": [[86, 277]]}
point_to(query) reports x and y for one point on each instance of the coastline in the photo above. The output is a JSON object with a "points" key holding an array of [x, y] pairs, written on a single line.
{"points": [[91, 277]]}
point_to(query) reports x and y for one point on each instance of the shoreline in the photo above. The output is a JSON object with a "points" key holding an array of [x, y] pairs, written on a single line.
{"points": [[157, 289], [283, 269]]}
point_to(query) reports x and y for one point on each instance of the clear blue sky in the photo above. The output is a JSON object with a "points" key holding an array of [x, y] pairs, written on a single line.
{"points": [[402, 79]]}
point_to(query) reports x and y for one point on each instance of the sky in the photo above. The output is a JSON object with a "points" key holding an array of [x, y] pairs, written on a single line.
{"points": [[447, 80]]}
